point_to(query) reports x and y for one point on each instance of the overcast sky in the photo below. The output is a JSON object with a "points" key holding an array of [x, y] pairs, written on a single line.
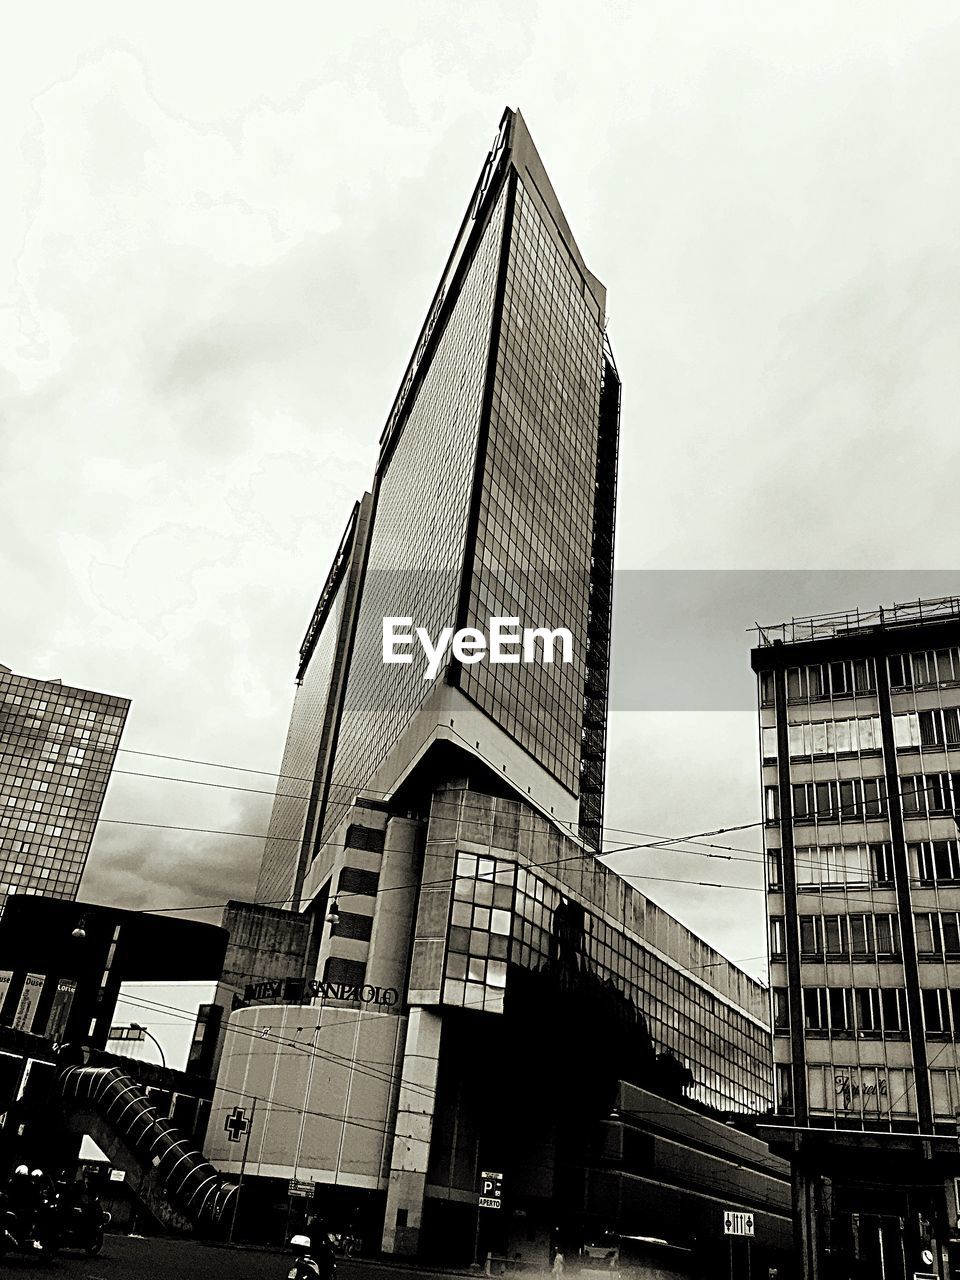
{"points": [[221, 229]]}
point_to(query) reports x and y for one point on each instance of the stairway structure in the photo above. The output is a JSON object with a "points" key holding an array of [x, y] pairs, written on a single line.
{"points": [[175, 1183]]}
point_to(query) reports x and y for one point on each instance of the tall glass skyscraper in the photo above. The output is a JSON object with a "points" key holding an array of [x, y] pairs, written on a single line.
{"points": [[493, 496]]}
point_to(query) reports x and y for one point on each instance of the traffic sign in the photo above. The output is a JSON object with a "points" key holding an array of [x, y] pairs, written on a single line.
{"points": [[491, 1190], [737, 1223]]}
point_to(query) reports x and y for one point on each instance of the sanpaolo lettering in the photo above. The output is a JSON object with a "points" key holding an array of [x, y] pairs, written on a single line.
{"points": [[295, 991]]}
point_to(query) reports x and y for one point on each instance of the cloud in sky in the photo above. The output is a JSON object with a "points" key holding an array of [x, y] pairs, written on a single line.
{"points": [[223, 227]]}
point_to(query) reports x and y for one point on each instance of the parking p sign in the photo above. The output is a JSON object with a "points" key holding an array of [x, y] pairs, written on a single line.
{"points": [[491, 1189]]}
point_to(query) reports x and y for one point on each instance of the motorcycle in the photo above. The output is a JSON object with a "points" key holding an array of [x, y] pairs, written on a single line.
{"points": [[29, 1230], [81, 1225], [310, 1263]]}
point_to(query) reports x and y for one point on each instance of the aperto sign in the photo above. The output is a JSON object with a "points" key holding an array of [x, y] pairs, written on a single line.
{"points": [[296, 991], [491, 1190]]}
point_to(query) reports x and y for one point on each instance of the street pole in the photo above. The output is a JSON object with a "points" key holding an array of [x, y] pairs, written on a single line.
{"points": [[476, 1183], [243, 1169]]}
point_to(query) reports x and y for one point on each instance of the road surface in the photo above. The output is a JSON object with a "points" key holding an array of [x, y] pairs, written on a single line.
{"points": [[143, 1258]]}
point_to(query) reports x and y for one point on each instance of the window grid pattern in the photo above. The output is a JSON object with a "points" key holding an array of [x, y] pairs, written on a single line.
{"points": [[922, 723], [861, 1093], [534, 537], [934, 862], [925, 669], [842, 864], [58, 746], [503, 911], [417, 542], [478, 942]]}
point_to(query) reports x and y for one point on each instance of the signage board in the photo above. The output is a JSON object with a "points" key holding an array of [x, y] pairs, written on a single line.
{"points": [[737, 1223], [296, 991], [60, 1011], [29, 999], [5, 976], [491, 1189], [298, 1188], [236, 1124], [117, 1175]]}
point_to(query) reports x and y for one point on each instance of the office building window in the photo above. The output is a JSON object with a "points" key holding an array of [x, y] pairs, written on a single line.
{"points": [[929, 793], [835, 864], [351, 925], [783, 1078], [766, 688], [349, 972], [771, 804], [855, 935], [354, 880], [835, 935], [892, 1004], [887, 931], [830, 680], [849, 800], [828, 738], [869, 1016], [815, 1009], [774, 869], [938, 933], [868, 1010], [931, 668], [935, 861], [810, 936], [840, 1002], [936, 1012], [781, 1009]]}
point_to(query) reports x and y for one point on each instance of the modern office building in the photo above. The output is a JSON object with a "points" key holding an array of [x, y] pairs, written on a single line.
{"points": [[513, 1005], [493, 496], [483, 994], [860, 743], [58, 745]]}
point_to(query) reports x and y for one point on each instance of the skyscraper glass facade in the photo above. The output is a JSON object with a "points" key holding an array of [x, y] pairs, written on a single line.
{"points": [[58, 745], [288, 817], [486, 488], [419, 534], [533, 541]]}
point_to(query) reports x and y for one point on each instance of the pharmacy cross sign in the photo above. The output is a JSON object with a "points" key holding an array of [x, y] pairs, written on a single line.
{"points": [[236, 1124], [737, 1223]]}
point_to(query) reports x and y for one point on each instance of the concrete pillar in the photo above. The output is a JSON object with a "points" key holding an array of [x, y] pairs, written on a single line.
{"points": [[414, 1128], [396, 905], [806, 1221]]}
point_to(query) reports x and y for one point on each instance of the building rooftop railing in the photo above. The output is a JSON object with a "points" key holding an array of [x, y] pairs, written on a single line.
{"points": [[827, 626]]}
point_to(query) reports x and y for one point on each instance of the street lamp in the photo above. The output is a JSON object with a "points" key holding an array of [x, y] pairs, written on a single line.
{"points": [[136, 1026]]}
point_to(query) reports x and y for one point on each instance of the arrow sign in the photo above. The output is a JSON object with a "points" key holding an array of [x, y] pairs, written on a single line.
{"points": [[736, 1222]]}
